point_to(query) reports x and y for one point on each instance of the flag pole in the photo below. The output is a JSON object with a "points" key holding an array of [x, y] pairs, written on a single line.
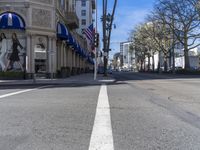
{"points": [[95, 50]]}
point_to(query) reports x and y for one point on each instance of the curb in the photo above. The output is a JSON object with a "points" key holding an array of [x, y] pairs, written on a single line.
{"points": [[83, 79]]}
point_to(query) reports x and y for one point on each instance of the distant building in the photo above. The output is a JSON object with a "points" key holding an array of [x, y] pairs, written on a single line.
{"points": [[85, 11], [127, 55], [116, 61]]}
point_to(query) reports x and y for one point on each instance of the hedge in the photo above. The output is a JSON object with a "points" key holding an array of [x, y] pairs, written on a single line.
{"points": [[11, 75]]}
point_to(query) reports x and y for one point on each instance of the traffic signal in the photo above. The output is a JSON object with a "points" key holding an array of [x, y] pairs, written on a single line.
{"points": [[96, 40]]}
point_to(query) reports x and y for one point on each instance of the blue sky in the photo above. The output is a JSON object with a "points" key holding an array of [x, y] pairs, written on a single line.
{"points": [[129, 13]]}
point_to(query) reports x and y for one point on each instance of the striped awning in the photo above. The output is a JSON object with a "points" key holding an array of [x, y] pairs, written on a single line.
{"points": [[71, 40], [9, 20], [62, 31]]}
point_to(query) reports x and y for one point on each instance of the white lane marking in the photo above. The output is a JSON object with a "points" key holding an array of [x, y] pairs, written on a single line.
{"points": [[102, 137], [23, 91]]}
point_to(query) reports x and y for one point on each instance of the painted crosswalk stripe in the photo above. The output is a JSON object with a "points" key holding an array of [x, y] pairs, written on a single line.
{"points": [[102, 138], [23, 91]]}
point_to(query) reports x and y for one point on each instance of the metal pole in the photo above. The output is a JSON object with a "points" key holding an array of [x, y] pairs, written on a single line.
{"points": [[104, 36], [95, 67]]}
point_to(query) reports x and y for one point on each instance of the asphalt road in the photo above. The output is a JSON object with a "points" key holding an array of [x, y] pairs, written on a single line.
{"points": [[135, 112], [152, 112]]}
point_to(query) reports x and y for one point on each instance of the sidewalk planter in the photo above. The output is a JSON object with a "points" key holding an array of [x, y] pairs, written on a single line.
{"points": [[87, 70], [74, 71], [78, 71], [82, 70], [12, 75], [47, 75], [64, 72], [188, 72], [58, 74]]}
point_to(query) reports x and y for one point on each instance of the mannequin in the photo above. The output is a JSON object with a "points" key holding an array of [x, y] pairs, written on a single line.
{"points": [[3, 50]]}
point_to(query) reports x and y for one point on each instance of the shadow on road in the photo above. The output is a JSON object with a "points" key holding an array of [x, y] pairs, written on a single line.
{"points": [[55, 85], [119, 79], [126, 76]]}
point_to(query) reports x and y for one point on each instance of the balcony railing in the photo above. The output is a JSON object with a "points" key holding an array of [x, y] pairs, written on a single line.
{"points": [[72, 20]]}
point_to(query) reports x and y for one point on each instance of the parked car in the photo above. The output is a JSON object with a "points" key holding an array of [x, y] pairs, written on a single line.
{"points": [[178, 68]]}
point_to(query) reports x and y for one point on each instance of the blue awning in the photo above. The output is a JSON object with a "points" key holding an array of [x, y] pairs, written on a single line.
{"points": [[79, 50], [71, 40], [10, 20], [90, 60], [62, 31], [84, 53], [76, 45]]}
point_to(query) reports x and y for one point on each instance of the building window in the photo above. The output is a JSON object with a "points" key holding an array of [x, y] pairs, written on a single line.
{"points": [[82, 31], [73, 5], [83, 22], [62, 4], [83, 3], [83, 12]]}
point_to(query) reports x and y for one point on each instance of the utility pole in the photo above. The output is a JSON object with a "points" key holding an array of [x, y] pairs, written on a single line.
{"points": [[104, 36], [107, 22], [96, 63]]}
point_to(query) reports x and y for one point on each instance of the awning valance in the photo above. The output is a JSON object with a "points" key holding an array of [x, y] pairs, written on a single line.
{"points": [[64, 34], [9, 20]]}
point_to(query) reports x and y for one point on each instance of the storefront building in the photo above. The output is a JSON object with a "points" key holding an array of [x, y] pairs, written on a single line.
{"points": [[47, 41]]}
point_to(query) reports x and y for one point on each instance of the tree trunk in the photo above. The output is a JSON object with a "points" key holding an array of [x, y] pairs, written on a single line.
{"points": [[141, 65], [186, 55], [149, 62], [159, 62], [173, 57], [170, 58], [165, 63], [153, 62], [187, 63], [144, 65]]}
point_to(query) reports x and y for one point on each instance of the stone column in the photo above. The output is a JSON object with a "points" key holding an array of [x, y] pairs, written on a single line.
{"points": [[65, 56], [58, 57], [50, 56], [54, 49], [74, 58], [69, 57], [28, 53], [32, 55]]}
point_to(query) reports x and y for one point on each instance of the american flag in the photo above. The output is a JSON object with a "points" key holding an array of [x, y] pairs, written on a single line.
{"points": [[89, 32]]}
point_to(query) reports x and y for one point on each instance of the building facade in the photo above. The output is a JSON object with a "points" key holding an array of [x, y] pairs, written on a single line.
{"points": [[46, 31], [85, 11], [116, 61], [127, 56]]}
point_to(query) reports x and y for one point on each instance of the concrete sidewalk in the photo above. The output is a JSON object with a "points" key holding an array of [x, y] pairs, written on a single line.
{"points": [[78, 79]]}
